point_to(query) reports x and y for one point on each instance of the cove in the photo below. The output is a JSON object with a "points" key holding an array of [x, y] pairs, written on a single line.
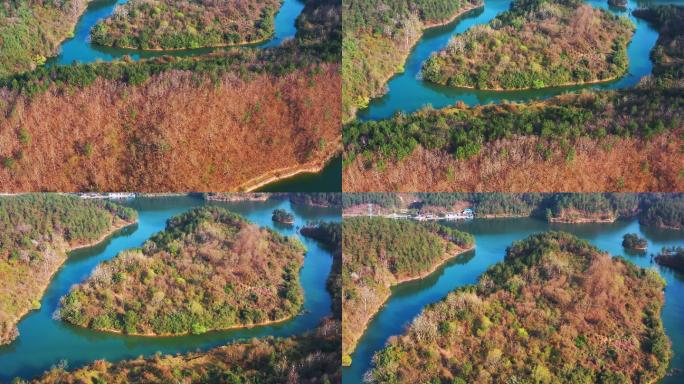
{"points": [[329, 179], [79, 49], [492, 236], [407, 92], [43, 342]]}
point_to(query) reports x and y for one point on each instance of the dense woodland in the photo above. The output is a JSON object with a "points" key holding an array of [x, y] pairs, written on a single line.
{"points": [[556, 310], [311, 358], [31, 31], [595, 140], [536, 44], [209, 269], [634, 242], [672, 257], [36, 232], [164, 124], [377, 38], [282, 216], [660, 210], [171, 24], [379, 253], [321, 199]]}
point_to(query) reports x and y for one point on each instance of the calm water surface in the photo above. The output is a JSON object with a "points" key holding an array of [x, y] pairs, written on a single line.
{"points": [[491, 239], [407, 92], [43, 341], [79, 49]]}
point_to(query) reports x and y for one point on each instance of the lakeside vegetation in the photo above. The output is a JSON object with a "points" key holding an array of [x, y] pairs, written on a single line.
{"points": [[311, 358], [378, 36], [633, 241], [32, 30], [320, 199], [672, 257], [536, 44], [210, 269], [555, 310], [621, 140], [659, 210], [282, 216], [168, 24], [379, 253], [159, 124], [36, 232]]}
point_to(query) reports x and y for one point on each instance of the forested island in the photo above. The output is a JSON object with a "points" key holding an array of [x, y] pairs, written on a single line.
{"points": [[31, 31], [282, 216], [163, 124], [36, 232], [168, 24], [672, 257], [210, 269], [623, 140], [375, 48], [536, 44], [656, 210], [380, 253], [634, 242], [555, 310], [310, 358]]}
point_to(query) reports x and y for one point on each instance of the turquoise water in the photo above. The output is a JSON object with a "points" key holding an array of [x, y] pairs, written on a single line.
{"points": [[328, 180], [492, 236], [407, 92], [79, 49], [43, 341]]}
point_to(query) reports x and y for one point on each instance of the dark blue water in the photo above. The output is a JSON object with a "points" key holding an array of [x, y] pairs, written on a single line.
{"points": [[43, 341], [492, 236], [407, 92]]}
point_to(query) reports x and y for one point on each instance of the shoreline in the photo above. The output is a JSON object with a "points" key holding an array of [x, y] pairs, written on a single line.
{"points": [[155, 335], [386, 79], [275, 175], [563, 85], [68, 250], [432, 270]]}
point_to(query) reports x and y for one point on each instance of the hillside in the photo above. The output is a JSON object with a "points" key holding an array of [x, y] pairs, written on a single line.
{"points": [[36, 232], [379, 253], [536, 44], [557, 310], [626, 140], [32, 30], [214, 122], [377, 38], [169, 24], [209, 269], [612, 141]]}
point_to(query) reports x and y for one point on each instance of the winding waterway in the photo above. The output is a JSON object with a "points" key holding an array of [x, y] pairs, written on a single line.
{"points": [[407, 92], [492, 236], [44, 342]]}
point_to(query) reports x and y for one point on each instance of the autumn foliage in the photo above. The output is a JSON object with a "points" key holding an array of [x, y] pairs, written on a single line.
{"points": [[177, 131], [557, 310], [209, 269], [36, 232], [380, 252]]}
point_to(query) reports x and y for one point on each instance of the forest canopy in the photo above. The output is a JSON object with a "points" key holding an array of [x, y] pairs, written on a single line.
{"points": [[209, 269], [170, 24], [36, 232], [536, 44], [556, 310], [379, 253]]}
